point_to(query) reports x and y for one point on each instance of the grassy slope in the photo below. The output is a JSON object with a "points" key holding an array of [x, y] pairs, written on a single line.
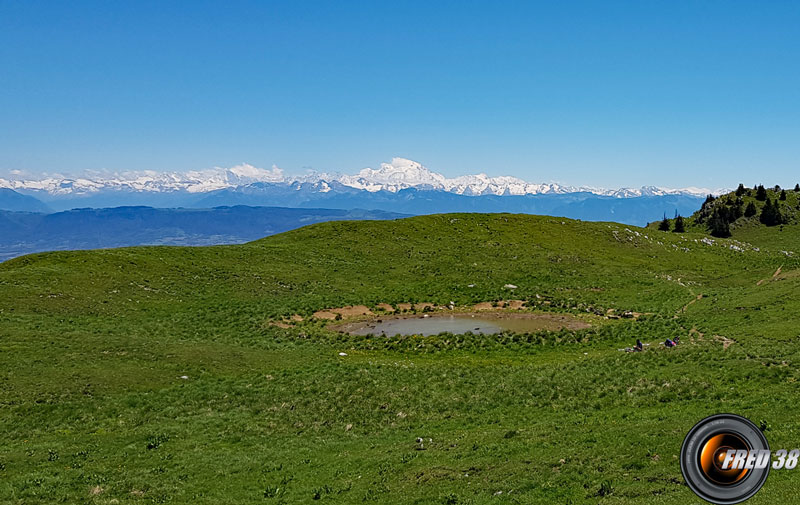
{"points": [[744, 226], [93, 344]]}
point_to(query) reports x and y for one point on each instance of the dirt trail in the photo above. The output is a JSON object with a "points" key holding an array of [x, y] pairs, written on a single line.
{"points": [[774, 276], [683, 309], [695, 334]]}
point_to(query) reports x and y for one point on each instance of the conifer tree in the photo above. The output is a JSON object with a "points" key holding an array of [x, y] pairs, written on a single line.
{"points": [[761, 193], [767, 215], [679, 225], [664, 225], [779, 219], [750, 211], [718, 226], [771, 213]]}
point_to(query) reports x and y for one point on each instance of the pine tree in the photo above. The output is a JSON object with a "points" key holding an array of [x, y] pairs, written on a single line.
{"points": [[738, 210], [767, 214], [740, 190], [771, 213], [750, 211], [783, 195], [718, 226], [664, 225], [797, 187], [761, 193], [679, 226]]}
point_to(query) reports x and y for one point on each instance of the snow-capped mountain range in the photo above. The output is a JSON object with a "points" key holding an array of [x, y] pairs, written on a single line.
{"points": [[391, 177]]}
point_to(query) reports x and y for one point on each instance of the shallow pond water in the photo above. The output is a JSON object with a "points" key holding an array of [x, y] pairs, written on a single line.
{"points": [[458, 324]]}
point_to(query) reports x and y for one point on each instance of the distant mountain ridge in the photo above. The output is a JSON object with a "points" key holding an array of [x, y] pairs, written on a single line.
{"points": [[392, 177], [403, 186], [13, 201], [26, 232], [587, 206]]}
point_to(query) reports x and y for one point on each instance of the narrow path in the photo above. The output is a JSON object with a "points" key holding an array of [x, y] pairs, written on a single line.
{"points": [[777, 272], [683, 309], [696, 335]]}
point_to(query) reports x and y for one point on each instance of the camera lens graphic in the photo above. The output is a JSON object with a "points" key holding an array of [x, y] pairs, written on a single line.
{"points": [[704, 451], [712, 456]]}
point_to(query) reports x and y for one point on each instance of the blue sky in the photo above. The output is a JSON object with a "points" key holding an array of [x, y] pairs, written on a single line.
{"points": [[698, 93]]}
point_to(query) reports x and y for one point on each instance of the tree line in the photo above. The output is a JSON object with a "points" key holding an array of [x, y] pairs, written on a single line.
{"points": [[717, 214]]}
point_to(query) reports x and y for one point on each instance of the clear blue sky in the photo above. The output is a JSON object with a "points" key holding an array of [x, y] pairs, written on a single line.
{"points": [[607, 93]]}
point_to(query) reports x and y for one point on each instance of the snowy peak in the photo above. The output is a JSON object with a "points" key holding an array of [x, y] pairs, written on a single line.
{"points": [[657, 191], [403, 173], [200, 181], [397, 175]]}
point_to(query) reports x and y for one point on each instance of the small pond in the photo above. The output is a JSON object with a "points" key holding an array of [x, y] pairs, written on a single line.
{"points": [[458, 324]]}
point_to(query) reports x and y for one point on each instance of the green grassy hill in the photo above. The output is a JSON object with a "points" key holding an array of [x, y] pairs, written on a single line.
{"points": [[157, 374], [741, 211]]}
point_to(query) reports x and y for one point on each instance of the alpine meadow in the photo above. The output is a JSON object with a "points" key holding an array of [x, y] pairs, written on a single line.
{"points": [[214, 374]]}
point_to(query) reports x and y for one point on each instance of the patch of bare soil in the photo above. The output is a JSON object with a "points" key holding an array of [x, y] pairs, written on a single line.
{"points": [[362, 310], [513, 304], [611, 314], [348, 311], [324, 314], [556, 321], [502, 304], [726, 342], [353, 310]]}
